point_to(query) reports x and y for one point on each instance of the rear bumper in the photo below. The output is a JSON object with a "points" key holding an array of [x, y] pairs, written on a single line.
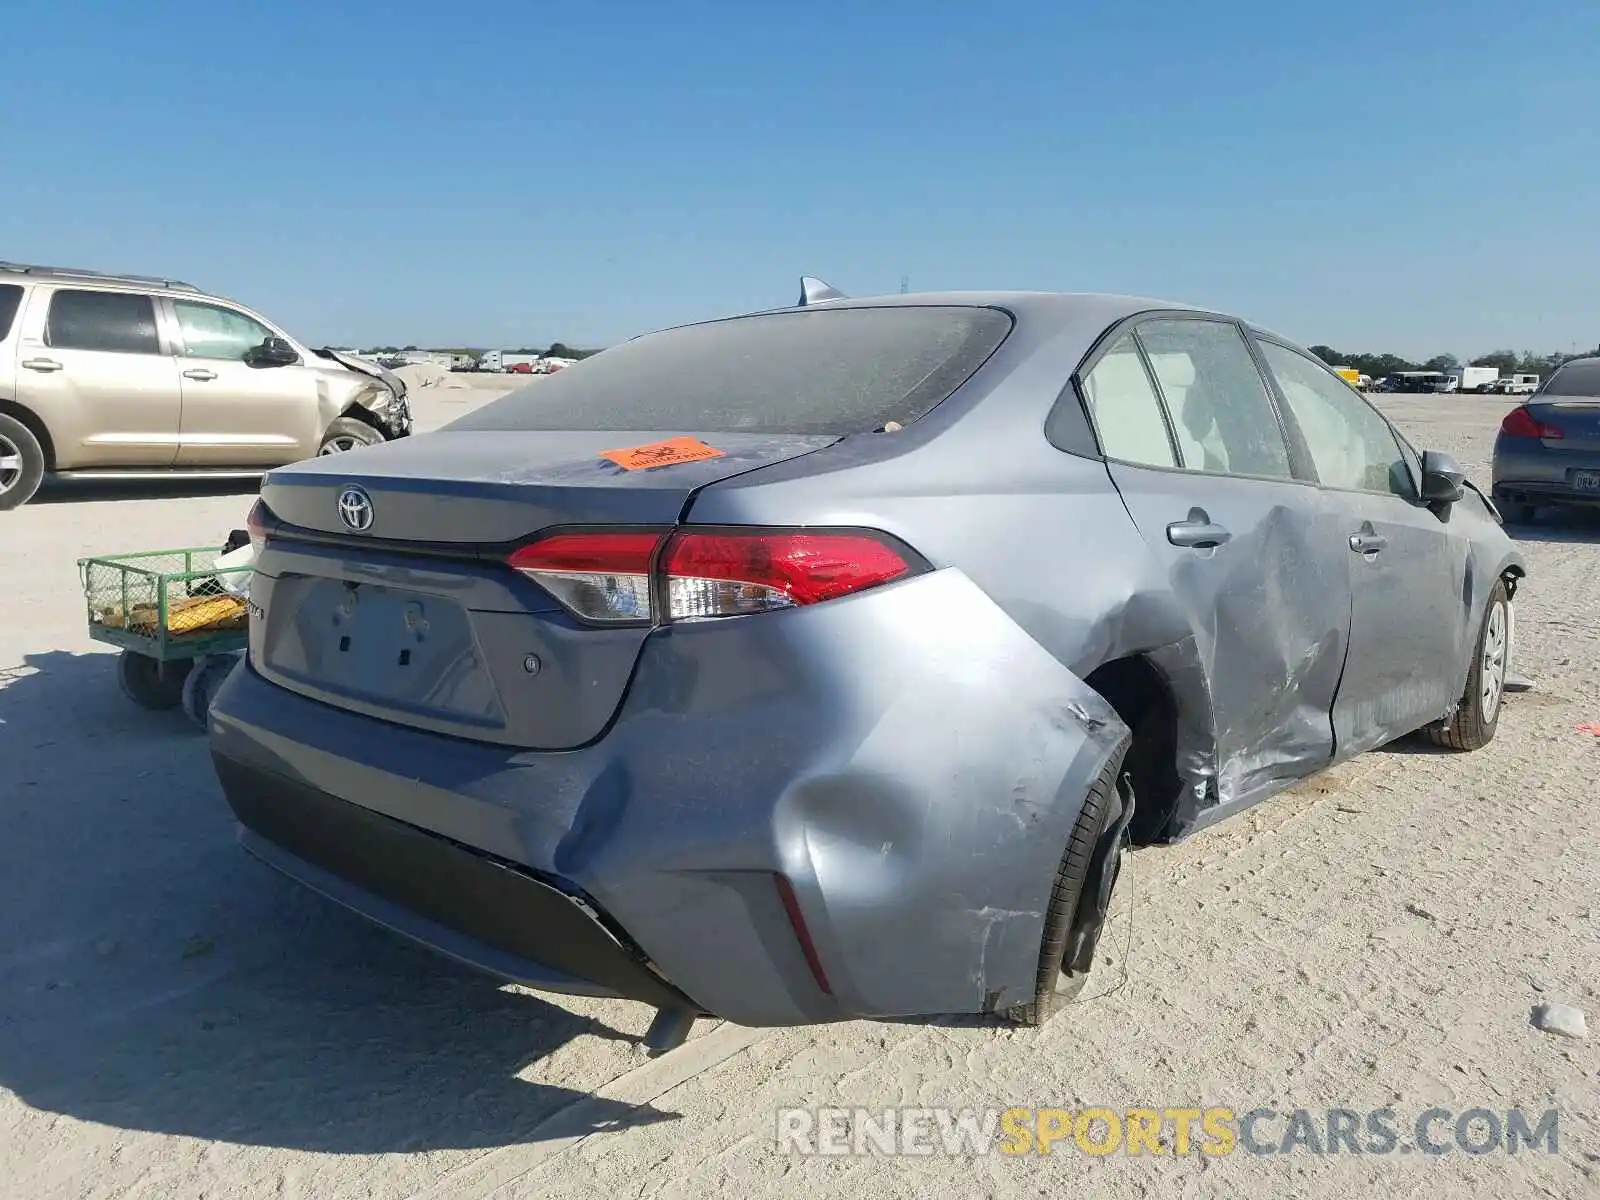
{"points": [[478, 910], [908, 759], [1527, 472]]}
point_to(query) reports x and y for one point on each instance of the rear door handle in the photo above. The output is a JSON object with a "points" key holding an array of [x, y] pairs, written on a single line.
{"points": [[42, 364], [1367, 543], [199, 373], [1197, 532]]}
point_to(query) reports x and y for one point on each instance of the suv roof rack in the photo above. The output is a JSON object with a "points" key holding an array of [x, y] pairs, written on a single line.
{"points": [[105, 276]]}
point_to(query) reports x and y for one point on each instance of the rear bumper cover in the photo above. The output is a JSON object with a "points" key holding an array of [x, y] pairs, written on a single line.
{"points": [[478, 910], [1527, 472], [909, 759]]}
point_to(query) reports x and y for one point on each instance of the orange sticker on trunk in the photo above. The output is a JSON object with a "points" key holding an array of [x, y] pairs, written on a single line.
{"points": [[662, 454]]}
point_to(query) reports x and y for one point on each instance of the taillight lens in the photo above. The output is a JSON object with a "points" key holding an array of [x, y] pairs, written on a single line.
{"points": [[256, 525], [735, 572], [599, 576], [1520, 422], [611, 576]]}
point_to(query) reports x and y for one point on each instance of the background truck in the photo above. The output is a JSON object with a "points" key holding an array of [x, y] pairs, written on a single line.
{"points": [[1475, 379]]}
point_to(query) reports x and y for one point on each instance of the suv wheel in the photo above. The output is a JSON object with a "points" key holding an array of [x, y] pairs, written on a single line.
{"points": [[21, 463], [347, 433]]}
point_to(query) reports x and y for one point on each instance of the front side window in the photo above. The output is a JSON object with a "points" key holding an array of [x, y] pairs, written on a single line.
{"points": [[213, 332], [116, 321], [1125, 409], [1352, 447], [1220, 410]]}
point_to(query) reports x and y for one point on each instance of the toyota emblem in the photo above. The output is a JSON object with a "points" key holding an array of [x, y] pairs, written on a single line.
{"points": [[355, 509]]}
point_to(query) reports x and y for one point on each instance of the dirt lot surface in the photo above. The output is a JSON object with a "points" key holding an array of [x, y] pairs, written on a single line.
{"points": [[177, 1021]]}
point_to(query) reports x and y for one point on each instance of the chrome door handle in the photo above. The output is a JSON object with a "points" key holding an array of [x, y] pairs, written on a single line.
{"points": [[1197, 533], [1367, 543], [199, 373], [41, 364]]}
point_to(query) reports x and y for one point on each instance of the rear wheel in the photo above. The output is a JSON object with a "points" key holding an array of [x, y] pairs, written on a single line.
{"points": [[1515, 512], [21, 463], [1478, 715], [347, 433], [1081, 895], [143, 680]]}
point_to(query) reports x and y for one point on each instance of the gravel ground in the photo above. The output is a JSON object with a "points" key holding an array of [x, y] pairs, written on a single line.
{"points": [[177, 1021]]}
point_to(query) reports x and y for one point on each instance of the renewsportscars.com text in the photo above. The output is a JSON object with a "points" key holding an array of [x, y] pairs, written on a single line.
{"points": [[1179, 1131]]}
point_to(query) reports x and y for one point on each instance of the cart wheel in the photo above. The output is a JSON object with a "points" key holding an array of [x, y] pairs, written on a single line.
{"points": [[149, 686], [202, 684]]}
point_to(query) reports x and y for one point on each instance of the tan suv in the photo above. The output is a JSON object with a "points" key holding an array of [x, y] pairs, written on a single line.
{"points": [[122, 376]]}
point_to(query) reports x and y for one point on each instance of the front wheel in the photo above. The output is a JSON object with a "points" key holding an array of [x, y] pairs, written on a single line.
{"points": [[346, 434], [1478, 715]]}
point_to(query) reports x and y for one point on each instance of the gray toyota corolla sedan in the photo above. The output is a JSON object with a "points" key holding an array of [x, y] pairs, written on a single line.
{"points": [[818, 663], [1548, 448]]}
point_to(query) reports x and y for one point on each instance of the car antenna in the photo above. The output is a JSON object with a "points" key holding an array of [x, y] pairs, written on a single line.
{"points": [[814, 291]]}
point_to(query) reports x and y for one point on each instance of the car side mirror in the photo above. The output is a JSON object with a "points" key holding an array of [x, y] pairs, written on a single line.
{"points": [[1442, 478], [274, 352]]}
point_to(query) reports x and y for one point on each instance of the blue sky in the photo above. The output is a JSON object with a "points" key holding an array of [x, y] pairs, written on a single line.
{"points": [[1411, 176]]}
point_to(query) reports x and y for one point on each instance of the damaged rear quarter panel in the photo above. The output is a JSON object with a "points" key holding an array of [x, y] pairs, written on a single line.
{"points": [[921, 824]]}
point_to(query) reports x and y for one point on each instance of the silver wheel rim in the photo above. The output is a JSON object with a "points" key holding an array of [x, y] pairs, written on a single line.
{"points": [[1494, 662], [338, 445], [10, 464]]}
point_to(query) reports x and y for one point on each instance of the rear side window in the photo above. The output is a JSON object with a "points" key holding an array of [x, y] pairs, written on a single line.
{"points": [[828, 372], [10, 301], [1574, 379], [1124, 408], [1221, 414], [113, 321]]}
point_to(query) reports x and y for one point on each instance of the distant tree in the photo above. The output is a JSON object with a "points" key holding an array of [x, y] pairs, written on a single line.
{"points": [[1442, 362], [408, 347], [1504, 361], [559, 350], [1327, 354]]}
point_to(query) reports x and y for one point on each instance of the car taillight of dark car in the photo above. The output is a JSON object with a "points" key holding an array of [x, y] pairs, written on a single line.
{"points": [[1519, 422]]}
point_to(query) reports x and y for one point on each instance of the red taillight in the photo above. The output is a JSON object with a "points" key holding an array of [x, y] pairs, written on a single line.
{"points": [[1520, 422], [256, 524], [607, 576], [599, 576], [732, 572]]}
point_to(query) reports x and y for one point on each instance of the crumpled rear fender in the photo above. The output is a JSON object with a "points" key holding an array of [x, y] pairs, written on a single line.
{"points": [[927, 760]]}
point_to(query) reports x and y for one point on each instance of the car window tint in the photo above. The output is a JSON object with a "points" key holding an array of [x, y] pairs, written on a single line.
{"points": [[1221, 413], [213, 332], [10, 301], [1124, 408], [1351, 446], [115, 321], [824, 371], [1575, 379]]}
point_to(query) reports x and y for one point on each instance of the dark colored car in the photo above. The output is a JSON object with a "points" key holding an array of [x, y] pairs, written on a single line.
{"points": [[1548, 448]]}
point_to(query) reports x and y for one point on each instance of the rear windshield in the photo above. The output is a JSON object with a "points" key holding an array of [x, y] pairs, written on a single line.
{"points": [[1575, 379], [10, 301], [827, 371]]}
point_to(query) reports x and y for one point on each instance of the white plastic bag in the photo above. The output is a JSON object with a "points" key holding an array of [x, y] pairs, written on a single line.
{"points": [[237, 584]]}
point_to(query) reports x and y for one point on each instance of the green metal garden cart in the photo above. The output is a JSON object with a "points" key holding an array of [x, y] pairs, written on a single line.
{"points": [[181, 622]]}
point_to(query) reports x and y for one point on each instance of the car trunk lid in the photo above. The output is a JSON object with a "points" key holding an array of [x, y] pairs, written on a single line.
{"points": [[414, 617], [1577, 417]]}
